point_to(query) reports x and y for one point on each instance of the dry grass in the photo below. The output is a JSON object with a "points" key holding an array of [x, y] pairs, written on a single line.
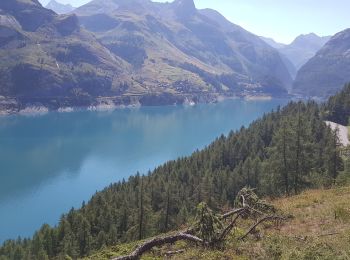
{"points": [[317, 212], [319, 229]]}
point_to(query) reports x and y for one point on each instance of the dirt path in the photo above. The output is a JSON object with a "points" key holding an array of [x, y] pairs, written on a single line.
{"points": [[343, 132]]}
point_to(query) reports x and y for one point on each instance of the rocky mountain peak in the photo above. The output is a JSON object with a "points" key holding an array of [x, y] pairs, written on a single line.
{"points": [[184, 7], [59, 8]]}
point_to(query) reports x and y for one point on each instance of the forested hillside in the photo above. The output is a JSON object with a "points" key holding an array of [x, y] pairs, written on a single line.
{"points": [[337, 109], [283, 153]]}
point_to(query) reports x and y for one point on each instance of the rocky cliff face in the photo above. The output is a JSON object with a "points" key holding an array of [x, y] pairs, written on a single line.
{"points": [[328, 71]]}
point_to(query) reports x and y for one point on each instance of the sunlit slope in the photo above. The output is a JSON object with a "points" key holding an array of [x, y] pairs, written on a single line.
{"points": [[319, 229]]}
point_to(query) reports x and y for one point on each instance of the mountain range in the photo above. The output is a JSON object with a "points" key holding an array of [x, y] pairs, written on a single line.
{"points": [[303, 48], [328, 71], [193, 47], [130, 52], [109, 53], [59, 8], [297, 53], [322, 64]]}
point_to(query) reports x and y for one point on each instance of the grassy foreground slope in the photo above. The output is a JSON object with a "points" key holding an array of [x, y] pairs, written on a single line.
{"points": [[319, 229]]}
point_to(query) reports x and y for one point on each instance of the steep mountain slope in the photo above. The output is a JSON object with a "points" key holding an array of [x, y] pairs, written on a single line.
{"points": [[59, 8], [179, 49], [46, 59], [287, 62], [303, 48], [290, 67], [328, 71]]}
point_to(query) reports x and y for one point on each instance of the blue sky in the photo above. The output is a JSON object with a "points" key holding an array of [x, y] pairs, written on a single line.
{"points": [[282, 20]]}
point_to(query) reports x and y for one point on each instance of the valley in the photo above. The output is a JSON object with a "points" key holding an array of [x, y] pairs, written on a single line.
{"points": [[142, 53], [141, 129], [112, 54]]}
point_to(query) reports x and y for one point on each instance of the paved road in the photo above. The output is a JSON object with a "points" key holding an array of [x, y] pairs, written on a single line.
{"points": [[343, 132]]}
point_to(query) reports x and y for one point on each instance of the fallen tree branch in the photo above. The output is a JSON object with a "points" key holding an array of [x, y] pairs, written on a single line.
{"points": [[228, 229], [329, 234], [258, 223], [232, 212], [255, 210], [159, 242], [170, 253]]}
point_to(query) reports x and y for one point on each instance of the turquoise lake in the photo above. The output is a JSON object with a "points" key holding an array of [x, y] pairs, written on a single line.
{"points": [[53, 162]]}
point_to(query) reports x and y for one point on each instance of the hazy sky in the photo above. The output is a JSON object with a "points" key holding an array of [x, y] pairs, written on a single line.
{"points": [[282, 20]]}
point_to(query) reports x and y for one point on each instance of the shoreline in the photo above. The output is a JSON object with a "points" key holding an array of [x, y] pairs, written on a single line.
{"points": [[258, 98], [10, 106]]}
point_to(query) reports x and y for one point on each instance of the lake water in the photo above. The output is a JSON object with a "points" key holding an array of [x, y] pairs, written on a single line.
{"points": [[53, 162]]}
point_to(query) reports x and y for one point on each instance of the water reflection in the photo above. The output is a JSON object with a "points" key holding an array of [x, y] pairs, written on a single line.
{"points": [[53, 162]]}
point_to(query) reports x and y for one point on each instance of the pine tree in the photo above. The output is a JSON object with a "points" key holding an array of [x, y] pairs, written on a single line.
{"points": [[141, 211]]}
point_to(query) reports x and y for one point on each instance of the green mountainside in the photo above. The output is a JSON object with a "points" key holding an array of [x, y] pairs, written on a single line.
{"points": [[283, 153]]}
